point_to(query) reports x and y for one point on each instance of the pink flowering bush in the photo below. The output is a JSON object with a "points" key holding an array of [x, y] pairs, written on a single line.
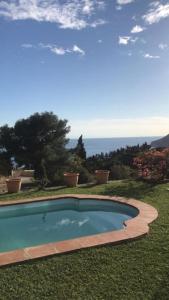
{"points": [[153, 165]]}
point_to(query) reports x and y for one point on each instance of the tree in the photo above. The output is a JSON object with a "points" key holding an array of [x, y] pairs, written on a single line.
{"points": [[7, 147], [38, 142], [80, 149], [5, 165]]}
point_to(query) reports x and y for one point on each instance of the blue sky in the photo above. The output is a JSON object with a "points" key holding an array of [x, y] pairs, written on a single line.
{"points": [[103, 65]]}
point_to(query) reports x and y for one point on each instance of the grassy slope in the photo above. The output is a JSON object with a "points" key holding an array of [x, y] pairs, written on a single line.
{"points": [[135, 270]]}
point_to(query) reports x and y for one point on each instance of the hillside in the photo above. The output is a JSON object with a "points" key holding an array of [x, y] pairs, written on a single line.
{"points": [[161, 143]]}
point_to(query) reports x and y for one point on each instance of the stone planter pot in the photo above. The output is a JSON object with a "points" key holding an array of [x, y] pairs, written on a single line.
{"points": [[71, 179], [102, 176], [13, 185]]}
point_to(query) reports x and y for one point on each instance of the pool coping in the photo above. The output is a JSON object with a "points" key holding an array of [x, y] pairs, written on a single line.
{"points": [[135, 228]]}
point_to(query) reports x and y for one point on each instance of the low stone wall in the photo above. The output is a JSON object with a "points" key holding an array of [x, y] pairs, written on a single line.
{"points": [[3, 187], [3, 179], [22, 173]]}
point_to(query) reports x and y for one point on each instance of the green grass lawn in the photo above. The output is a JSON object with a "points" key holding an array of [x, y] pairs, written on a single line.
{"points": [[135, 270]]}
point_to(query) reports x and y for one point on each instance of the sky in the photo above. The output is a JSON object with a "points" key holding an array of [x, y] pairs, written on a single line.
{"points": [[102, 65]]}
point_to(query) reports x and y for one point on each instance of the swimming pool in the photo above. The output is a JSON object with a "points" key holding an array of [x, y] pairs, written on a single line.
{"points": [[45, 226], [25, 225]]}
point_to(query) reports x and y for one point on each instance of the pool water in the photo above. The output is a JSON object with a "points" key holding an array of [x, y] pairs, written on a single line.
{"points": [[31, 224]]}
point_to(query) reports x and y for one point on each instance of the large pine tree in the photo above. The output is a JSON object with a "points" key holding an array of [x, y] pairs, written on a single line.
{"points": [[37, 142]]}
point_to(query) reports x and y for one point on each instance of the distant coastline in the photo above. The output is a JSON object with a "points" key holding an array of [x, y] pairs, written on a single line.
{"points": [[97, 145]]}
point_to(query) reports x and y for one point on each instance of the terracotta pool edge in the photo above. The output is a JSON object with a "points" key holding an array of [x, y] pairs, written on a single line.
{"points": [[135, 228]]}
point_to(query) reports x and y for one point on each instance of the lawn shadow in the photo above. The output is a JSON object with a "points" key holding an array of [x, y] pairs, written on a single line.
{"points": [[55, 189], [129, 190], [88, 185]]}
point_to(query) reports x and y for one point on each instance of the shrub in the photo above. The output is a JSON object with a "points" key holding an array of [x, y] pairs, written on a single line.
{"points": [[120, 172], [84, 175], [75, 164], [153, 165]]}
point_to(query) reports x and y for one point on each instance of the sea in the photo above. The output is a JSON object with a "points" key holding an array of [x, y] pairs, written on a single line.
{"points": [[105, 145]]}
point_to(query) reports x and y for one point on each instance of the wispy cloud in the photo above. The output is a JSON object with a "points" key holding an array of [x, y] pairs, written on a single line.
{"points": [[72, 14], [137, 29], [89, 5], [97, 23], [123, 2], [156, 13], [27, 46], [163, 46], [77, 49], [124, 40], [56, 49], [149, 56], [118, 7]]}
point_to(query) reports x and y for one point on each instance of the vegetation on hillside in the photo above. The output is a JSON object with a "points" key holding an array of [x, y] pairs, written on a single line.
{"points": [[39, 142], [119, 162]]}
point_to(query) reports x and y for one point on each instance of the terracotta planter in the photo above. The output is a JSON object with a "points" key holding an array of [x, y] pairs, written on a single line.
{"points": [[13, 185], [71, 179], [102, 176]]}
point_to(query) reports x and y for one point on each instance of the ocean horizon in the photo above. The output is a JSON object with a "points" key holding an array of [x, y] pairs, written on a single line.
{"points": [[105, 145]]}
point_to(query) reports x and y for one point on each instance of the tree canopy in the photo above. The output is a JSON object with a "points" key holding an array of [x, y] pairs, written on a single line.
{"points": [[37, 142], [80, 148]]}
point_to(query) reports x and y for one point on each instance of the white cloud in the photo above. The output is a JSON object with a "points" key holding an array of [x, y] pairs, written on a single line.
{"points": [[156, 126], [120, 3], [98, 23], [123, 2], [100, 41], [137, 29], [124, 40], [72, 14], [62, 51], [163, 46], [89, 5], [56, 49], [53, 48], [147, 55], [157, 12], [77, 49]]}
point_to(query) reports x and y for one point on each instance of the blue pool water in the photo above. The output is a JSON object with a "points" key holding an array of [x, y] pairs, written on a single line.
{"points": [[26, 225]]}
